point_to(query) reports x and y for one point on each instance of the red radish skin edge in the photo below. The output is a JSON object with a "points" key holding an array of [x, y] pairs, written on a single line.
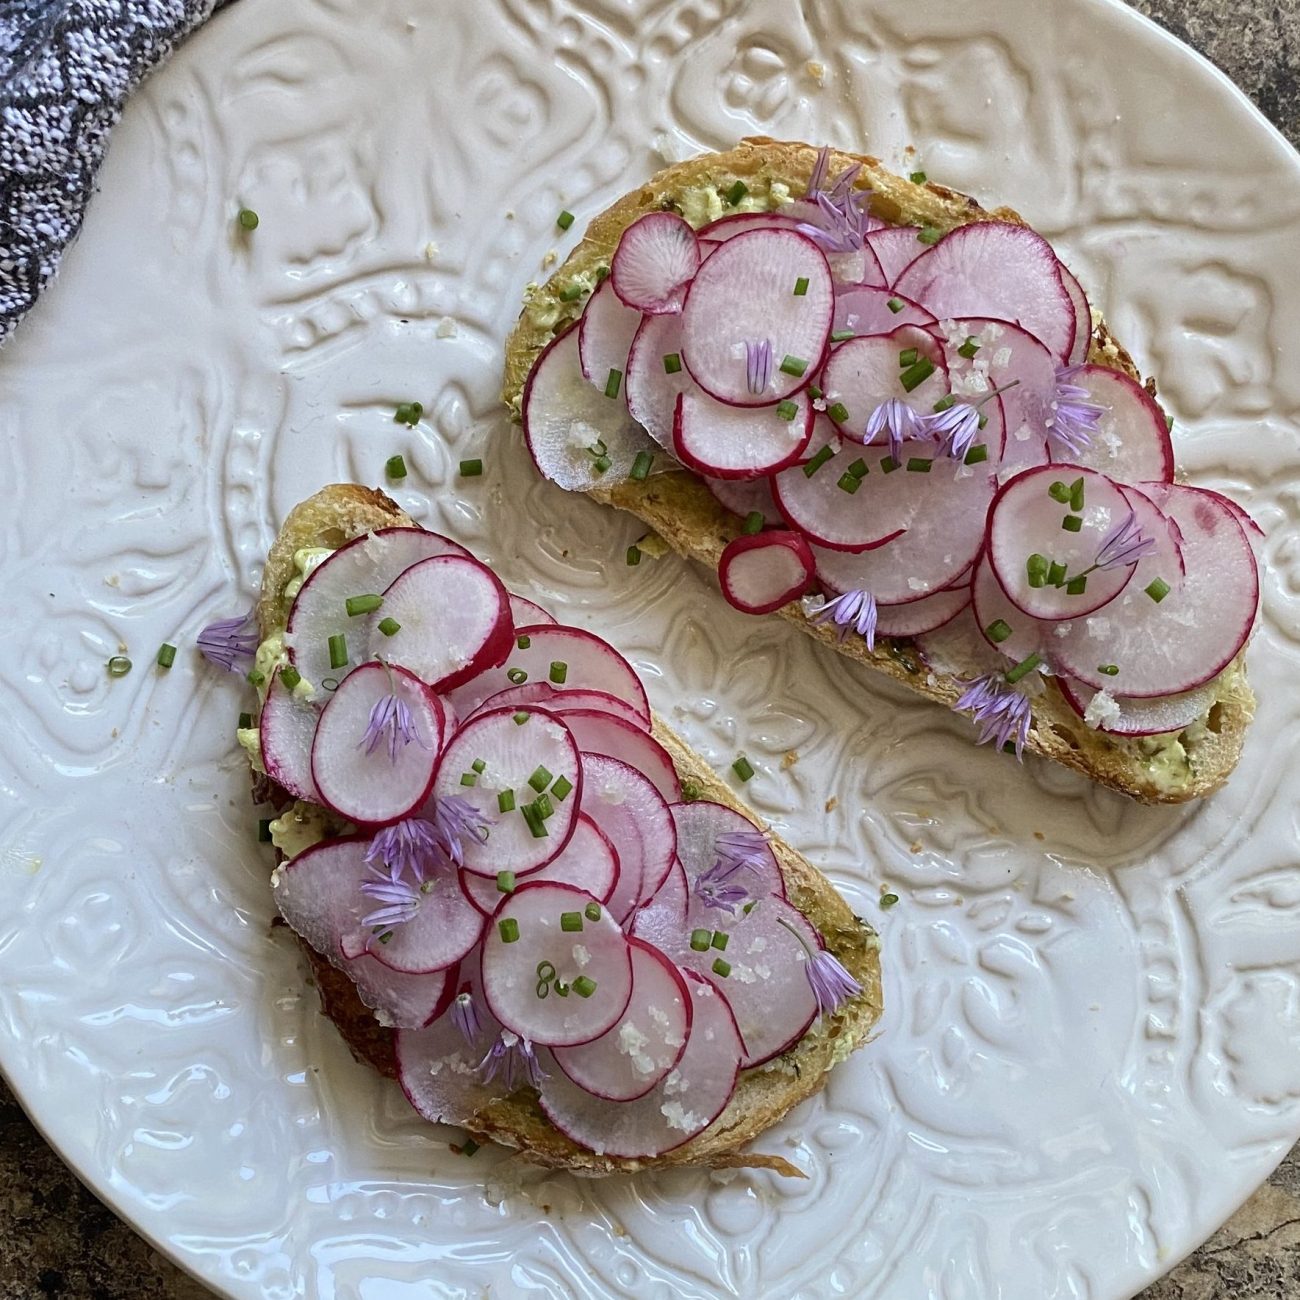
{"points": [[744, 545]]}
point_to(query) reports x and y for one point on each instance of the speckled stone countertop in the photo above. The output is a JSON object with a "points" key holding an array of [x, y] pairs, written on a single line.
{"points": [[57, 1240]]}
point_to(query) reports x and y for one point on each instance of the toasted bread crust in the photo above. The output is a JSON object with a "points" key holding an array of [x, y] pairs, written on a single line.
{"points": [[342, 511], [678, 507]]}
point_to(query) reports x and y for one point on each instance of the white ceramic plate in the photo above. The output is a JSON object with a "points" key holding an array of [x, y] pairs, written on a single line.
{"points": [[1092, 1046]]}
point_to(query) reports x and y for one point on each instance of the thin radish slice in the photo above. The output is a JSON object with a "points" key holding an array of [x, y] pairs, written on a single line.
{"points": [[921, 616], [286, 728], [1028, 532], [319, 895], [654, 261], [1254, 533], [762, 572], [626, 1061], [523, 612], [992, 268], [365, 566], [748, 337], [662, 920], [605, 333], [863, 373], [872, 275], [689, 1098], [1004, 625], [740, 441], [741, 223], [518, 771], [895, 248], [1082, 316], [1189, 636], [572, 428], [398, 999], [1132, 442], [637, 820], [744, 498], [1152, 717], [724, 856], [656, 376], [756, 960], [599, 732], [557, 969], [560, 701], [588, 861], [559, 656], [454, 621], [866, 309], [377, 743]]}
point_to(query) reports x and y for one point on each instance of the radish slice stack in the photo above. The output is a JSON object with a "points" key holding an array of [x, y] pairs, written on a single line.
{"points": [[902, 419], [522, 895]]}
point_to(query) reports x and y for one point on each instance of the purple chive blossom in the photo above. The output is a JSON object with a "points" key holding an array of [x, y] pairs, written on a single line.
{"points": [[409, 847], [741, 848], [229, 640], [841, 222], [955, 428], [513, 1058], [1073, 418], [453, 819], [1125, 544], [855, 610], [1000, 711], [895, 418], [400, 898], [714, 889], [831, 984], [390, 717], [465, 1016], [758, 365], [817, 181]]}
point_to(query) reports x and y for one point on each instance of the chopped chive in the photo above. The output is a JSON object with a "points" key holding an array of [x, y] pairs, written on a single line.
{"points": [[895, 305], [969, 348], [1036, 570], [976, 454], [907, 357], [408, 413], [479, 766], [362, 605], [389, 626], [1023, 668], [640, 470], [1076, 495], [564, 220], [256, 676], [916, 374], [290, 677], [119, 666], [801, 286], [633, 556], [1059, 492], [839, 336], [570, 292], [793, 366], [1056, 573], [944, 403], [929, 235], [750, 906], [814, 392], [820, 459], [545, 808], [743, 768], [753, 523], [859, 468], [1111, 670], [559, 671], [506, 801], [889, 464], [888, 900], [245, 721], [602, 274], [330, 683], [984, 421], [533, 818], [613, 382], [849, 483], [721, 967], [1072, 523], [1077, 586], [338, 648], [166, 655], [737, 192], [787, 410], [839, 412], [248, 219], [471, 468], [719, 940], [264, 830], [505, 882], [395, 467], [571, 922], [540, 778], [469, 778], [1157, 590], [672, 363], [998, 631], [562, 788], [700, 940], [519, 719], [917, 178], [584, 986], [516, 676], [601, 464], [919, 464], [523, 642], [508, 929]]}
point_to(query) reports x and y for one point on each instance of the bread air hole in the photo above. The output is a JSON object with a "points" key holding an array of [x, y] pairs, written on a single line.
{"points": [[1214, 720], [1064, 733]]}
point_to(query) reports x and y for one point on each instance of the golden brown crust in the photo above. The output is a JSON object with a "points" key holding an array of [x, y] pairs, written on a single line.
{"points": [[678, 506]]}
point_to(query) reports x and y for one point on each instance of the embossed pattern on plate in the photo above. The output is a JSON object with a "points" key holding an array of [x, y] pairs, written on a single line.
{"points": [[1092, 1046]]}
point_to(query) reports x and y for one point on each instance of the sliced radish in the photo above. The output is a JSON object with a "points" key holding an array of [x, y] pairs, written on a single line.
{"points": [[744, 498], [654, 261], [560, 701], [662, 920], [740, 441], [862, 373], [1254, 533], [287, 727], [872, 274], [599, 732], [895, 248], [454, 618], [377, 743], [1082, 316], [992, 268], [568, 421], [398, 999], [560, 656], [690, 1097], [1027, 528], [760, 573], [761, 966], [588, 861], [715, 843], [741, 223], [501, 763], [1132, 441], [627, 1060], [636, 818], [747, 337], [918, 617], [865, 309], [1187, 638], [1152, 717], [319, 895], [365, 566], [554, 928], [605, 333], [1003, 624], [523, 612], [656, 375]]}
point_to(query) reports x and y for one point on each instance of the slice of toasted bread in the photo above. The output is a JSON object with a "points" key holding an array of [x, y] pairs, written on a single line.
{"points": [[763, 1095], [681, 510]]}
